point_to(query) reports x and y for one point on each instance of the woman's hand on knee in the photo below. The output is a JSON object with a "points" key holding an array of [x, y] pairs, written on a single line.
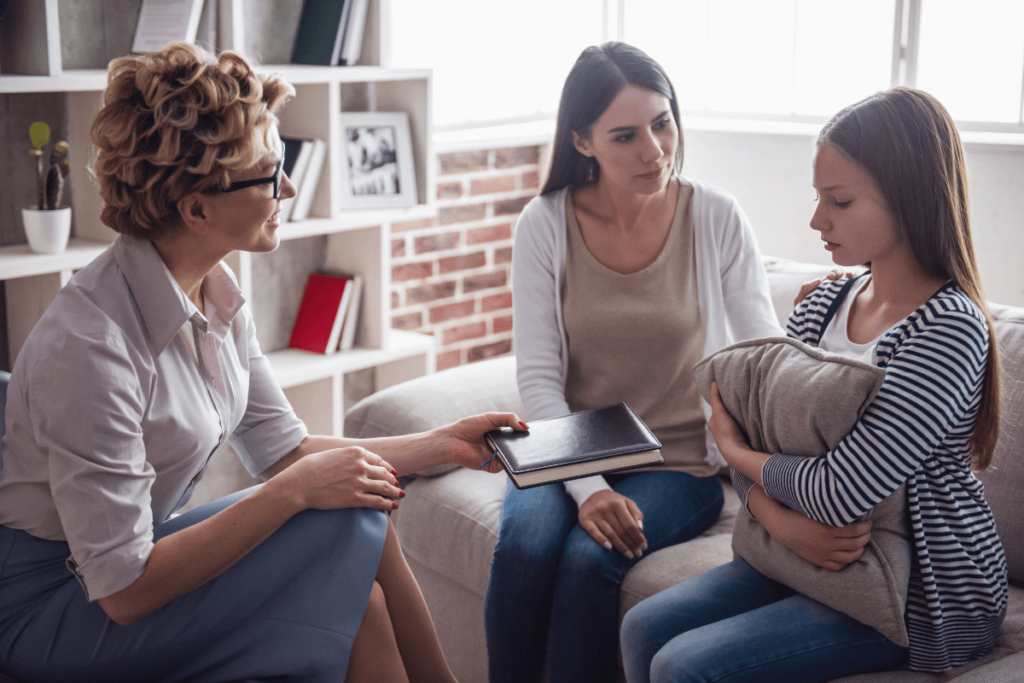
{"points": [[614, 521], [342, 478]]}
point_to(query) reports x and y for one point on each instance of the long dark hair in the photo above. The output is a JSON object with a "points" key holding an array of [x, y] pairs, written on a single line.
{"points": [[598, 76], [906, 140]]}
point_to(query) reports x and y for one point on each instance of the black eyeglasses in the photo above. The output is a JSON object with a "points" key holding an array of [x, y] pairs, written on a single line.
{"points": [[275, 179]]}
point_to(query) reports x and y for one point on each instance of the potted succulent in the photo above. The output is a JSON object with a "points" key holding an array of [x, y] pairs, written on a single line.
{"points": [[47, 224]]}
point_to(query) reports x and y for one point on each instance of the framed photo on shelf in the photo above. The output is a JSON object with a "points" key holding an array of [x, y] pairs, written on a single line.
{"points": [[377, 168]]}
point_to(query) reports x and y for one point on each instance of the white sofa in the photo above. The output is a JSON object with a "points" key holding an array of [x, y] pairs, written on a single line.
{"points": [[448, 524]]}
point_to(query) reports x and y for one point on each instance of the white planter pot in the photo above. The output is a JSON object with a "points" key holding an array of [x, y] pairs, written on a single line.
{"points": [[47, 231]]}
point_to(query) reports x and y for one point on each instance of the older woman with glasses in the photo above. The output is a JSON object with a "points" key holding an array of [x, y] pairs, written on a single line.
{"points": [[142, 368]]}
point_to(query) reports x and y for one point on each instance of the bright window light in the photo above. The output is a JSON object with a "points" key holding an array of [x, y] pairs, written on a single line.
{"points": [[505, 62], [675, 34], [750, 55], [494, 60], [843, 53], [972, 57]]}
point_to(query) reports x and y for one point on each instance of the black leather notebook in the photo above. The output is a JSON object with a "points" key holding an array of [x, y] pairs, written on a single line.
{"points": [[578, 445]]}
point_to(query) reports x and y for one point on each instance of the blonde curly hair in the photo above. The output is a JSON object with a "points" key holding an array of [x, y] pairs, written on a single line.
{"points": [[176, 122]]}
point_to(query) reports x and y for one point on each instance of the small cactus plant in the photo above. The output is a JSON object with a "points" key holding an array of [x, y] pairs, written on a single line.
{"points": [[49, 178]]}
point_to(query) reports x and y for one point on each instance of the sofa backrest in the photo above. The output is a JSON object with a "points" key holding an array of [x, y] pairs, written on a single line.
{"points": [[1004, 479]]}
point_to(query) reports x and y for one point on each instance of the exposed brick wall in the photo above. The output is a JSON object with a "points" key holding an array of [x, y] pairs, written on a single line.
{"points": [[451, 274]]}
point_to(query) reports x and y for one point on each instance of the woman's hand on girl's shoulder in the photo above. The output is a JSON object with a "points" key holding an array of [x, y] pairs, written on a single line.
{"points": [[340, 478], [465, 443], [811, 285]]}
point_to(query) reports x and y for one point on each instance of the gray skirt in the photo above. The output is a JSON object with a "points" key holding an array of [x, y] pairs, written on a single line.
{"points": [[287, 611]]}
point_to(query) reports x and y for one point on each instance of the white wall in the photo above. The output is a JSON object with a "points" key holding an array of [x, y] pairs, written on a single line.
{"points": [[770, 175]]}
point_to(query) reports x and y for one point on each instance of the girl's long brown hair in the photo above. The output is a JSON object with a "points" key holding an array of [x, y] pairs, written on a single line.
{"points": [[906, 140]]}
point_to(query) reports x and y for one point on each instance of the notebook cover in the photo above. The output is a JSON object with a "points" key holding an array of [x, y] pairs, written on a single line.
{"points": [[320, 314], [580, 437]]}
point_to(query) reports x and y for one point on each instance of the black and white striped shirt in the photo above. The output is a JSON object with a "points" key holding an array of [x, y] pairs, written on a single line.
{"points": [[917, 430]]}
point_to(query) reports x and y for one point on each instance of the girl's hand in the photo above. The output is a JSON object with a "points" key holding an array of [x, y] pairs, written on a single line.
{"points": [[614, 521], [811, 285], [465, 443], [341, 478], [727, 433], [826, 546]]}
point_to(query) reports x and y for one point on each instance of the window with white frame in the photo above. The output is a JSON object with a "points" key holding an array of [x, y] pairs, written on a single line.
{"points": [[789, 60]]}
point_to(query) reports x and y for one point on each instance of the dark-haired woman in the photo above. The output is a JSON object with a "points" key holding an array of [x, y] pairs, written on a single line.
{"points": [[892, 188], [625, 275], [146, 364]]}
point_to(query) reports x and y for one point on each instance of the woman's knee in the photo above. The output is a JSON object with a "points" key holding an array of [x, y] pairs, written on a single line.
{"points": [[532, 531], [585, 559]]}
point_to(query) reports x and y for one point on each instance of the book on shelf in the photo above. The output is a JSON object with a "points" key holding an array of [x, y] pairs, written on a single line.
{"points": [[166, 21], [581, 444], [319, 36], [321, 314], [348, 332], [305, 190], [297, 152], [330, 32], [352, 43]]}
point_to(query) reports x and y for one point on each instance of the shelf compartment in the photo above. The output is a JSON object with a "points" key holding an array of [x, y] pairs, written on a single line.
{"points": [[353, 220], [293, 367], [19, 261]]}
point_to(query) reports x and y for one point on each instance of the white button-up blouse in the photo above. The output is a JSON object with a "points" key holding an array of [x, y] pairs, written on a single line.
{"points": [[112, 418]]}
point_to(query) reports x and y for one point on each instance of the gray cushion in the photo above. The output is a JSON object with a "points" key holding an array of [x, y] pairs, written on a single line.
{"points": [[435, 400], [792, 398], [789, 397], [1004, 480]]}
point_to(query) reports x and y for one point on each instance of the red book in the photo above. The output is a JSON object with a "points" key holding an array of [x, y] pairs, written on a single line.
{"points": [[321, 313]]}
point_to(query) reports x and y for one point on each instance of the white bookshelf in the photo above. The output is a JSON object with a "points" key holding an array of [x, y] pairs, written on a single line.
{"points": [[357, 240]]}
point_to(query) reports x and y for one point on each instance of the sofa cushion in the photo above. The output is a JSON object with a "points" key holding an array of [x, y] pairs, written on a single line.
{"points": [[1004, 480], [435, 400], [1004, 664]]}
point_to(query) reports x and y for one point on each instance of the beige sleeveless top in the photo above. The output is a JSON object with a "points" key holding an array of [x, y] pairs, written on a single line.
{"points": [[636, 338]]}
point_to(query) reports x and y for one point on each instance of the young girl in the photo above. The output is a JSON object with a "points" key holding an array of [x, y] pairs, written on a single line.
{"points": [[625, 275], [891, 181]]}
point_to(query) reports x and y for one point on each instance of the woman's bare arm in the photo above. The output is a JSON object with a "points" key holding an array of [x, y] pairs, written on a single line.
{"points": [[461, 443]]}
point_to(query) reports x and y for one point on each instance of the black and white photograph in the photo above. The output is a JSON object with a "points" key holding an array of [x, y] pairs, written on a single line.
{"points": [[372, 162], [379, 170]]}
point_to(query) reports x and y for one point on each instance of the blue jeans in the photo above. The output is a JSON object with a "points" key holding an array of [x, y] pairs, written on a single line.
{"points": [[734, 624], [554, 591]]}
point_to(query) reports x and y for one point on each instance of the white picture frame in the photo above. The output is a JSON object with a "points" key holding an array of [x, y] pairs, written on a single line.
{"points": [[377, 170], [162, 22]]}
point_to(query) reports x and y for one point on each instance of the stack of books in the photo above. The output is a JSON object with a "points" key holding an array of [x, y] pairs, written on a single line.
{"points": [[329, 313], [330, 32], [303, 161]]}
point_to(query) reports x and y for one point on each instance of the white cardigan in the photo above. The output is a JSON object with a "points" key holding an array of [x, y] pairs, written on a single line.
{"points": [[731, 284]]}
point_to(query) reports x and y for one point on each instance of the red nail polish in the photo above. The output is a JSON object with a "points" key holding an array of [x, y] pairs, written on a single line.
{"points": [[401, 494], [394, 473], [394, 505], [523, 425]]}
